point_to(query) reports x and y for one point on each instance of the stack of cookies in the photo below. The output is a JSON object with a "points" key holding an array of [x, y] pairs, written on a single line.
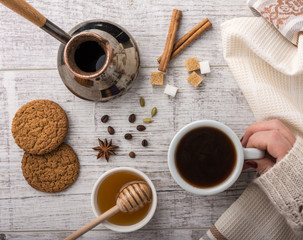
{"points": [[39, 128]]}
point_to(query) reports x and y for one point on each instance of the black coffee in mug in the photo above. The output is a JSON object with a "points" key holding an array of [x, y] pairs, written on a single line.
{"points": [[205, 157]]}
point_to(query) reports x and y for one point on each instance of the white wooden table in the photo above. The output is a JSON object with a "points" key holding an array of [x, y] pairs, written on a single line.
{"points": [[28, 71]]}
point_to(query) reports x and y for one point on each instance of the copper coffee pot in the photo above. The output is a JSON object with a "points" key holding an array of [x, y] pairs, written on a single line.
{"points": [[120, 56]]}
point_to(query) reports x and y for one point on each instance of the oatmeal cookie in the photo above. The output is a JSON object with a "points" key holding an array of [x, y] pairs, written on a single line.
{"points": [[52, 172], [39, 126]]}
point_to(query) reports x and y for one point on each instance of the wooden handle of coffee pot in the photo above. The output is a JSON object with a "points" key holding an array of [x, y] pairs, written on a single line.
{"points": [[31, 14], [25, 10]]}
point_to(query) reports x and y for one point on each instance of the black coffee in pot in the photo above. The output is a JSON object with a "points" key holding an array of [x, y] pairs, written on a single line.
{"points": [[90, 56], [205, 157]]}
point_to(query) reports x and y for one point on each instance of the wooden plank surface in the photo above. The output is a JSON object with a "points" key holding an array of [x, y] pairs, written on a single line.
{"points": [[26, 46], [28, 72], [168, 234]]}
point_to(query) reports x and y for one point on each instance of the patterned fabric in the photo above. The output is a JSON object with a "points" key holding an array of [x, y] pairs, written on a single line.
{"points": [[285, 15]]}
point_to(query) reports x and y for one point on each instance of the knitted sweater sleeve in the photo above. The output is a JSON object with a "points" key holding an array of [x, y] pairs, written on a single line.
{"points": [[271, 207], [283, 185]]}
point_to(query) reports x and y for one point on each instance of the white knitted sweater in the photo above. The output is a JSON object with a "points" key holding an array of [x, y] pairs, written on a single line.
{"points": [[269, 69]]}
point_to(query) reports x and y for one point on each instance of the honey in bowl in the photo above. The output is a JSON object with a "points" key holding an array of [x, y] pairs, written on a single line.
{"points": [[107, 197]]}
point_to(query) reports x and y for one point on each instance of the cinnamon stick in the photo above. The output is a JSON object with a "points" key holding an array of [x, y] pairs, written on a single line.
{"points": [[173, 27], [186, 36], [191, 39]]}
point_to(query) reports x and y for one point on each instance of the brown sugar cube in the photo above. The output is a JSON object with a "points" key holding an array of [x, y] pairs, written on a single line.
{"points": [[192, 64], [194, 79], [157, 78]]}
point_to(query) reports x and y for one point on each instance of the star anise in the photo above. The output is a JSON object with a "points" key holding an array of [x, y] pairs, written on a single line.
{"points": [[105, 149]]}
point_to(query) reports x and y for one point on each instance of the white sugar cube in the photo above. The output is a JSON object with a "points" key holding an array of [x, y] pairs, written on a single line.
{"points": [[170, 90], [204, 67]]}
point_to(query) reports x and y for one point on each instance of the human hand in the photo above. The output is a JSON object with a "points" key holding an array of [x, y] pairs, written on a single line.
{"points": [[271, 136]]}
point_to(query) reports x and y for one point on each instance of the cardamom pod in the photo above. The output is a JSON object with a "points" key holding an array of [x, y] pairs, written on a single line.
{"points": [[154, 111], [147, 120], [142, 102]]}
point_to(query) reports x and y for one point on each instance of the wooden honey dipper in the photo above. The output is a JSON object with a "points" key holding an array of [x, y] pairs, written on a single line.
{"points": [[132, 196]]}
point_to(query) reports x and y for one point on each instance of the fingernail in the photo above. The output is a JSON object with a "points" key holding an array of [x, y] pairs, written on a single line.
{"points": [[252, 164]]}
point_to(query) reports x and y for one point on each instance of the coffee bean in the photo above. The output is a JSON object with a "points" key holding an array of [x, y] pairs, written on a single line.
{"points": [[104, 118], [128, 136], [141, 128], [132, 155], [2, 236], [144, 143], [111, 130], [132, 118]]}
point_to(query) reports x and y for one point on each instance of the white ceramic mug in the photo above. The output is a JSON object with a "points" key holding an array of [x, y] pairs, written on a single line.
{"points": [[242, 153], [120, 228]]}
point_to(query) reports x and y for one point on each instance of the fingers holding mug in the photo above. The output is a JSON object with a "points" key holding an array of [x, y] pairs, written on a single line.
{"points": [[271, 136], [274, 142], [261, 165], [270, 125]]}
